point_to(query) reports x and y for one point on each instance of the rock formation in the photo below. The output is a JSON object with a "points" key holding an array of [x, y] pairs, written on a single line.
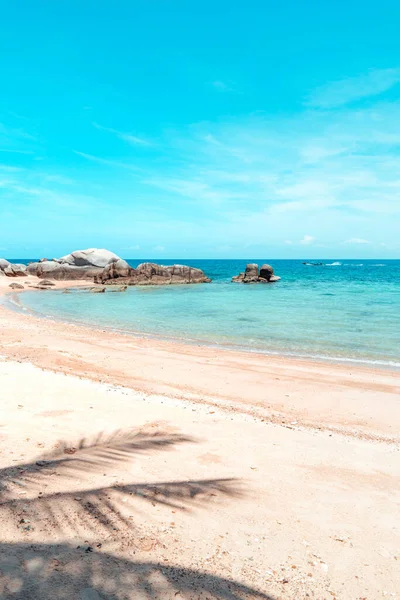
{"points": [[12, 270], [254, 275], [120, 272], [103, 267], [81, 264]]}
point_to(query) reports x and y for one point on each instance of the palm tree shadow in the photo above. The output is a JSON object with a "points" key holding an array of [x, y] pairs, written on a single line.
{"points": [[50, 571], [24, 498]]}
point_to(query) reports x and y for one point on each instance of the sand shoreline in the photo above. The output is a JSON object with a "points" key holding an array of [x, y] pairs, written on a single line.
{"points": [[191, 471], [330, 360], [290, 391]]}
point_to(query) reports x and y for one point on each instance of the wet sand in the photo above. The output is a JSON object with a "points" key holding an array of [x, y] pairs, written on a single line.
{"points": [[191, 472]]}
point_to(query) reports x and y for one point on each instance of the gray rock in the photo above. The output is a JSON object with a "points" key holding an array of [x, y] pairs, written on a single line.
{"points": [[12, 270], [114, 270], [3, 263], [89, 594], [150, 274], [81, 264], [251, 275], [47, 282], [97, 290], [251, 270], [92, 257], [266, 272], [121, 288], [16, 286]]}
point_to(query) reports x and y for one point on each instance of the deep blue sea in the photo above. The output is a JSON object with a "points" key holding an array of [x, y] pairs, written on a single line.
{"points": [[346, 310]]}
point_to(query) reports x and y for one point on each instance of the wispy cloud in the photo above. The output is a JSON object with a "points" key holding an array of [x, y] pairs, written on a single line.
{"points": [[357, 241], [126, 137], [107, 161], [15, 151], [221, 86], [337, 172], [9, 168], [307, 240], [339, 93]]}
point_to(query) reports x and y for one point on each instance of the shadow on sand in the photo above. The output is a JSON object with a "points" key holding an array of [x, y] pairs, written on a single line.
{"points": [[62, 572], [33, 571]]}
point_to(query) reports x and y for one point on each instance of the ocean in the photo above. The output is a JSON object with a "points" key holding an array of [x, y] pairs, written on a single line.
{"points": [[345, 310]]}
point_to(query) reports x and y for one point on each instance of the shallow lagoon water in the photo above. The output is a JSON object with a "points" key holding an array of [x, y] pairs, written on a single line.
{"points": [[344, 310]]}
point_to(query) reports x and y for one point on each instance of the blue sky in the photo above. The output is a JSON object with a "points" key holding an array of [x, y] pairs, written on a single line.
{"points": [[200, 129]]}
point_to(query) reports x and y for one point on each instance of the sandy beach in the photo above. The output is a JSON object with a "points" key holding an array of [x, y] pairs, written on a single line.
{"points": [[142, 468]]}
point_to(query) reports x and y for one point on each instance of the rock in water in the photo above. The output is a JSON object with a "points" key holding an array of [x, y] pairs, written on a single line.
{"points": [[150, 274], [266, 272], [252, 275]]}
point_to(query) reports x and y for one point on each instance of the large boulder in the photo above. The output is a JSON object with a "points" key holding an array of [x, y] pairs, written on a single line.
{"points": [[92, 257], [12, 269], [81, 264], [253, 275], [114, 270], [266, 272], [150, 274]]}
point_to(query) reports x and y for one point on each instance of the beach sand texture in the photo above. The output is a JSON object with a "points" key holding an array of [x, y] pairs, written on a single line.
{"points": [[134, 468]]}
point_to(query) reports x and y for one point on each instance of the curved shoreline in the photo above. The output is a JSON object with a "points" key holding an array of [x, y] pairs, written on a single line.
{"points": [[386, 365], [294, 392]]}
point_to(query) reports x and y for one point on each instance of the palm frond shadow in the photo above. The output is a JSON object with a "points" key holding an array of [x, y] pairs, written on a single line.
{"points": [[45, 572], [24, 497], [74, 460]]}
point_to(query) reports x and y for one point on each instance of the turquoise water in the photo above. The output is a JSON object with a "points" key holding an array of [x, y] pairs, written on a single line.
{"points": [[346, 310]]}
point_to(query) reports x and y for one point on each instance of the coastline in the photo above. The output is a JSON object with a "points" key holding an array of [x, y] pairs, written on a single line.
{"points": [[127, 461], [295, 392], [386, 365]]}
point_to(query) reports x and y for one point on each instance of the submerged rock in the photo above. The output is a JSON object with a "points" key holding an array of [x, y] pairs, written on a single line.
{"points": [[97, 290], [150, 274], [81, 264], [121, 288], [253, 275]]}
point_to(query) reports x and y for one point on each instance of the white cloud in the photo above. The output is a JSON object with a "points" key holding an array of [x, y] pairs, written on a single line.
{"points": [[159, 248], [339, 93], [307, 240], [106, 161], [15, 151], [9, 168], [356, 241], [127, 137], [289, 242], [221, 86]]}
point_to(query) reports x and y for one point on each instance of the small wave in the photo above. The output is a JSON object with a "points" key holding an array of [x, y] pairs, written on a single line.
{"points": [[379, 265], [334, 264], [353, 264]]}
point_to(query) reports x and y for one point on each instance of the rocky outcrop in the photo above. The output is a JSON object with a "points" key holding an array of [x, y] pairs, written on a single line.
{"points": [[12, 269], [254, 275], [114, 270], [150, 274], [81, 264]]}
